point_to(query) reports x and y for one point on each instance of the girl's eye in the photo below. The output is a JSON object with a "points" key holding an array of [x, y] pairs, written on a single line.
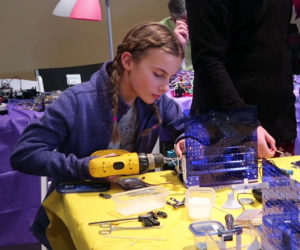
{"points": [[158, 75]]}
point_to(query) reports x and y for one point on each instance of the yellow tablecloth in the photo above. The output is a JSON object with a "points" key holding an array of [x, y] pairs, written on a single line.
{"points": [[70, 214]]}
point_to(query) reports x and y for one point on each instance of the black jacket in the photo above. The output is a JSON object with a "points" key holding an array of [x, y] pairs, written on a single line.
{"points": [[240, 56]]}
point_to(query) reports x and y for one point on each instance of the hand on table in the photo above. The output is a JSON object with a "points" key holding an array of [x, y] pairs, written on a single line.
{"points": [[181, 31], [265, 143]]}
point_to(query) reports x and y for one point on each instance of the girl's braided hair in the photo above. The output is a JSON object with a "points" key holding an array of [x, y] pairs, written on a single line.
{"points": [[140, 38]]}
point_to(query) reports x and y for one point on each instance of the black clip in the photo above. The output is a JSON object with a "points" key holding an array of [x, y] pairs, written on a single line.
{"points": [[176, 203], [156, 214], [148, 220], [162, 214], [105, 196]]}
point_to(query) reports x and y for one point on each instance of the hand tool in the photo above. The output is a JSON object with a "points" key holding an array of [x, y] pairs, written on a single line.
{"points": [[111, 228], [147, 219], [121, 162]]}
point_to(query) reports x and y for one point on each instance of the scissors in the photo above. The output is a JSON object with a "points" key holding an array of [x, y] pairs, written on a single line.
{"points": [[109, 228]]}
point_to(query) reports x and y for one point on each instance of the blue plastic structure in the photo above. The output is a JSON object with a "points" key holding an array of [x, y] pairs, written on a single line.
{"points": [[281, 202], [221, 147]]}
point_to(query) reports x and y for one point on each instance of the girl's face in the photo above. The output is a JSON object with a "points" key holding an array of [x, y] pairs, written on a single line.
{"points": [[149, 77]]}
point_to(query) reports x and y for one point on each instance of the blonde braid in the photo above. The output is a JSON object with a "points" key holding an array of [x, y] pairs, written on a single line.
{"points": [[115, 77], [157, 114]]}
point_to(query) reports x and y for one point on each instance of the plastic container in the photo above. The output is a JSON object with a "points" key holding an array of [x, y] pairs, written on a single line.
{"points": [[140, 200], [206, 234], [199, 201]]}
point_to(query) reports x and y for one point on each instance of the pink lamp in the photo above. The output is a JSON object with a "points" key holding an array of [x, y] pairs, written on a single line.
{"points": [[85, 10]]}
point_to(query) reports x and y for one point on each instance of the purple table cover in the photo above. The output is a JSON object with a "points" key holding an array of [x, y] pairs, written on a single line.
{"points": [[20, 195]]}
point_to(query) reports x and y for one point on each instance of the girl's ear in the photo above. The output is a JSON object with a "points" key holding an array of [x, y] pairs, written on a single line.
{"points": [[126, 59]]}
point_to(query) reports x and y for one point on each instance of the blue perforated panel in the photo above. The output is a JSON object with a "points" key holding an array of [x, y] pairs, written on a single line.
{"points": [[281, 227], [221, 147]]}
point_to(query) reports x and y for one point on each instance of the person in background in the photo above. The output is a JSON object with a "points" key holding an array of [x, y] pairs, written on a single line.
{"points": [[240, 57], [122, 106], [177, 23], [294, 39], [296, 4]]}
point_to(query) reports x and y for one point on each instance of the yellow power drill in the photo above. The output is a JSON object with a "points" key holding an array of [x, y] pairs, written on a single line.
{"points": [[121, 162]]}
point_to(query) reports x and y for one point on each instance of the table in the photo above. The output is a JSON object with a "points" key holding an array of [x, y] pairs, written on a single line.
{"points": [[20, 193], [71, 213]]}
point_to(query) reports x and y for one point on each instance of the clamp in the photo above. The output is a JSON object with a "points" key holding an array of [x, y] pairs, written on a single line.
{"points": [[176, 203]]}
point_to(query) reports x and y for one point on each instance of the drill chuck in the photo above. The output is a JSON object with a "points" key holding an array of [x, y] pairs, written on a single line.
{"points": [[159, 160], [150, 162]]}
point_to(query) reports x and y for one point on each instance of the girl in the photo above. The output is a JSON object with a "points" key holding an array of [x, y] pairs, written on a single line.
{"points": [[122, 106]]}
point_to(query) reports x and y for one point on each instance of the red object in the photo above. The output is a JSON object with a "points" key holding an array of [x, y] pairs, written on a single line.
{"points": [[296, 4], [184, 94]]}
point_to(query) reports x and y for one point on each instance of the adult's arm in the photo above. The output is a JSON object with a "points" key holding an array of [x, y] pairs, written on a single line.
{"points": [[210, 25]]}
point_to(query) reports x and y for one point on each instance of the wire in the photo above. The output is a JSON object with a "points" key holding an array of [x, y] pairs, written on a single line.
{"points": [[260, 171], [221, 210], [243, 203]]}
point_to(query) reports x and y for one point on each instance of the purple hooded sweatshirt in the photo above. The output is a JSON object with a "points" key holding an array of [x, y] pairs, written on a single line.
{"points": [[59, 144]]}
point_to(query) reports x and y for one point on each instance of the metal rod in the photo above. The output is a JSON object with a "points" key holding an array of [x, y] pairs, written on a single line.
{"points": [[110, 41], [278, 151], [108, 221], [133, 238]]}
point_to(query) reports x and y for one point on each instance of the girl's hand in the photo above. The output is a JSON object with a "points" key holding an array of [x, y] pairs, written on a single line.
{"points": [[180, 148], [265, 143]]}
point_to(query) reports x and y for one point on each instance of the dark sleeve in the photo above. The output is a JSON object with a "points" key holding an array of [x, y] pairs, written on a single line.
{"points": [[210, 24], [36, 152]]}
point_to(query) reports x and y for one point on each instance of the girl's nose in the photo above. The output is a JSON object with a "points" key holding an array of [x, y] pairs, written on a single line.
{"points": [[164, 87]]}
